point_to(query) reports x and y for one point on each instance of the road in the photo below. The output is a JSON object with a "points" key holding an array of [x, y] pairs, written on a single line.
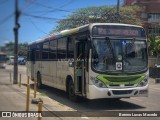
{"points": [[150, 103]]}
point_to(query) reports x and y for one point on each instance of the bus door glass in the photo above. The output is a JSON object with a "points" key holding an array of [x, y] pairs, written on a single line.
{"points": [[79, 69]]}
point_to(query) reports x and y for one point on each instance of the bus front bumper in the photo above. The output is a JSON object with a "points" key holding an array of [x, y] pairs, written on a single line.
{"points": [[96, 93]]}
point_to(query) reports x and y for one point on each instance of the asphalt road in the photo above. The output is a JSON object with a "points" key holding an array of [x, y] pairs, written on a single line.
{"points": [[151, 103]]}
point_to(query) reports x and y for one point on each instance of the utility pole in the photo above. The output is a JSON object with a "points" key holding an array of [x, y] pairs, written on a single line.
{"points": [[118, 12], [17, 13]]}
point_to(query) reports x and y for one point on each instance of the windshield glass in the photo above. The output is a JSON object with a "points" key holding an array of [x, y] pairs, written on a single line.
{"points": [[117, 56]]}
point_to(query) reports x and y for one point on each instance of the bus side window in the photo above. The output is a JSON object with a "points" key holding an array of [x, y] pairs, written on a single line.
{"points": [[37, 52], [53, 49], [45, 50], [32, 55], [62, 48], [70, 48]]}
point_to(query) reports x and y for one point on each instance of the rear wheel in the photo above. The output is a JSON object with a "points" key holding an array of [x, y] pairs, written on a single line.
{"points": [[71, 92], [39, 81]]}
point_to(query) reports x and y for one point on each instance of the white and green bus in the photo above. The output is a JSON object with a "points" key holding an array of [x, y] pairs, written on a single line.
{"points": [[99, 60]]}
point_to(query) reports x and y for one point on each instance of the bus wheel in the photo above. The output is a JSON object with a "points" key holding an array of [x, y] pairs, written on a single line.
{"points": [[71, 93], [39, 82]]}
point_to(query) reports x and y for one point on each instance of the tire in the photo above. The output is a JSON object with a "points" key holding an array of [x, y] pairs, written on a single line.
{"points": [[39, 81], [71, 93]]}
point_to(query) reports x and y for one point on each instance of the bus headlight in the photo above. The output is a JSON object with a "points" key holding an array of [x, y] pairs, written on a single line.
{"points": [[143, 83], [97, 82]]}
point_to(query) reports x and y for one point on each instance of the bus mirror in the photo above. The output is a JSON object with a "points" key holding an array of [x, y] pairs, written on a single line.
{"points": [[71, 64]]}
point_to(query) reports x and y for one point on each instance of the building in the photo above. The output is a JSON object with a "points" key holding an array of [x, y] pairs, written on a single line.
{"points": [[150, 16]]}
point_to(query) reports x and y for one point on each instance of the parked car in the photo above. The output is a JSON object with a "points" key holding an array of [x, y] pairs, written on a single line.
{"points": [[21, 61]]}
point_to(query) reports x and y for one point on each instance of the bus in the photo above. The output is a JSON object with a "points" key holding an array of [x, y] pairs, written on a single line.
{"points": [[94, 61], [2, 60]]}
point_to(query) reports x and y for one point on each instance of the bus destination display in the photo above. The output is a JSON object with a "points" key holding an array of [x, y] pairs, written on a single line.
{"points": [[118, 31]]}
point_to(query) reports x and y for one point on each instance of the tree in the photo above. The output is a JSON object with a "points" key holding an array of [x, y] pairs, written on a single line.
{"points": [[22, 49], [99, 14], [131, 14], [9, 48], [154, 46]]}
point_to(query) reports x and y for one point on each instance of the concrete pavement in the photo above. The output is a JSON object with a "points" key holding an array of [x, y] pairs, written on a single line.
{"points": [[13, 98]]}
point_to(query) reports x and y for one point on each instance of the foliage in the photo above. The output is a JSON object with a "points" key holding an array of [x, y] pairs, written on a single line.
{"points": [[108, 14], [9, 48], [131, 14], [22, 49], [154, 45]]}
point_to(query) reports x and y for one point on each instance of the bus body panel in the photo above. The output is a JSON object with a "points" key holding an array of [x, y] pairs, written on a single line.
{"points": [[53, 73], [47, 73]]}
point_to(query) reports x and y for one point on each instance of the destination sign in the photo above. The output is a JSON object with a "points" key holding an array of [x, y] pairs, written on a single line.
{"points": [[125, 31]]}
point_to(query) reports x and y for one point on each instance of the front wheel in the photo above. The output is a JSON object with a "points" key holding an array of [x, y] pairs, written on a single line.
{"points": [[71, 92], [39, 81]]}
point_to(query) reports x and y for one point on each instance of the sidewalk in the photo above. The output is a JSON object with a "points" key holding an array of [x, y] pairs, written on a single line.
{"points": [[13, 98]]}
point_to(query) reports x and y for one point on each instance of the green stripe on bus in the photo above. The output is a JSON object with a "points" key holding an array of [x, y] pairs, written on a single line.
{"points": [[121, 79]]}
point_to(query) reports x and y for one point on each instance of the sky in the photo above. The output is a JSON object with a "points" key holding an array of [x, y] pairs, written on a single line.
{"points": [[33, 26]]}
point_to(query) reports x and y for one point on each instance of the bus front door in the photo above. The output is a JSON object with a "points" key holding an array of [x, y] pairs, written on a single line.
{"points": [[79, 69]]}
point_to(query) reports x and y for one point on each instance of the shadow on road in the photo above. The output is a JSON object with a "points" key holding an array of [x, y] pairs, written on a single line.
{"points": [[100, 104]]}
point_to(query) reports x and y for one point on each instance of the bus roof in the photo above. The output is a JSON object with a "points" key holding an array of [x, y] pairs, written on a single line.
{"points": [[78, 29]]}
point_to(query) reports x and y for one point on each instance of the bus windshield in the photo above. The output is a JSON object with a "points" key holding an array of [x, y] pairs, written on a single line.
{"points": [[119, 56]]}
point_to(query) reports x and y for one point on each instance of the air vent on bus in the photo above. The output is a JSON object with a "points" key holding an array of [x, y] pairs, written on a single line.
{"points": [[121, 92]]}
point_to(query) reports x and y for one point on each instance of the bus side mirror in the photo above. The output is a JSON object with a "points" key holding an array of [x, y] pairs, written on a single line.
{"points": [[71, 64]]}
